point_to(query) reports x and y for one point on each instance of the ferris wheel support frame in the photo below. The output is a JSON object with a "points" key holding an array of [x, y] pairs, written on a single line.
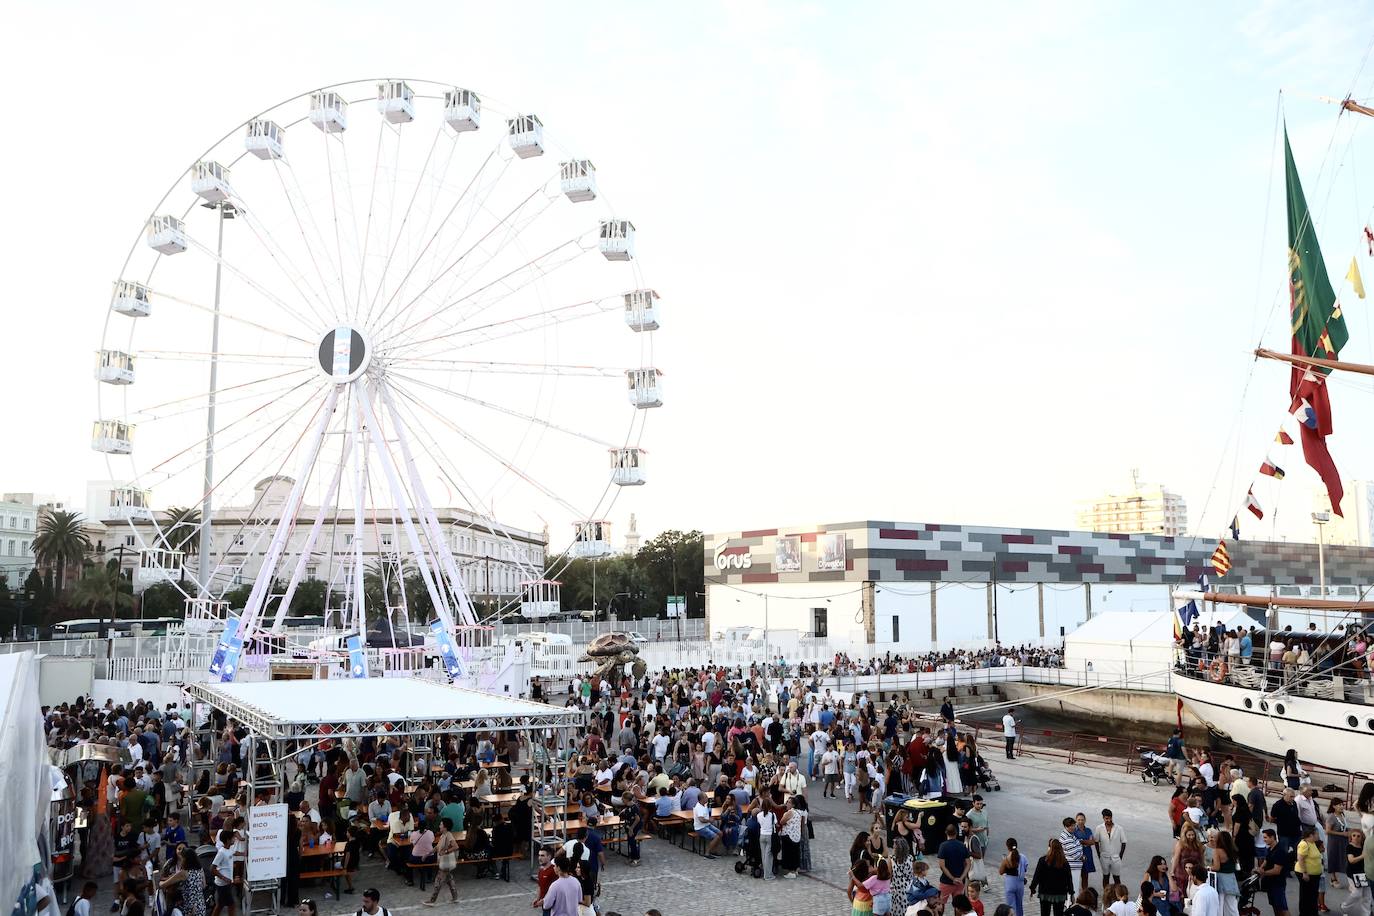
{"points": [[404, 509], [279, 621], [429, 517], [256, 598]]}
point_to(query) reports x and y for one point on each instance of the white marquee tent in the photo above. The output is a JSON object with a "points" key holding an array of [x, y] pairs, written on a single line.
{"points": [[1138, 646], [24, 779]]}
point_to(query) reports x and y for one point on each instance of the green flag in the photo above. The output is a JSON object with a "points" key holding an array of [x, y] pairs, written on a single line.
{"points": [[1317, 325], [1318, 330]]}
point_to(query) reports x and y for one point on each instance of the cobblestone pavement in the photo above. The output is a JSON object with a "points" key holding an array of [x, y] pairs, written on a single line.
{"points": [[1036, 795]]}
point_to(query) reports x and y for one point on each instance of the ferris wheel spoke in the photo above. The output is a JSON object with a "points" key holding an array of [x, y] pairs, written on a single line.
{"points": [[305, 240], [466, 196], [508, 411], [240, 359], [498, 367], [419, 405], [197, 444], [515, 326], [230, 316], [366, 240], [334, 211], [456, 262], [449, 471], [243, 276], [537, 268], [395, 236], [147, 414], [286, 264]]}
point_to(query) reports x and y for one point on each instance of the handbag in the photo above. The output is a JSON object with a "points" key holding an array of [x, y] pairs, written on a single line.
{"points": [[448, 861]]}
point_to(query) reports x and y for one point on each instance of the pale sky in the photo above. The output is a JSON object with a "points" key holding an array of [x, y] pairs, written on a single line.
{"points": [[916, 263]]}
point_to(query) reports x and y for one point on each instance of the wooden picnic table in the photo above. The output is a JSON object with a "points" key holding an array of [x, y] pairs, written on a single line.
{"points": [[580, 823], [333, 849]]}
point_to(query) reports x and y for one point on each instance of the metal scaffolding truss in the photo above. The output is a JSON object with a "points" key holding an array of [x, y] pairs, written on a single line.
{"points": [[359, 708]]}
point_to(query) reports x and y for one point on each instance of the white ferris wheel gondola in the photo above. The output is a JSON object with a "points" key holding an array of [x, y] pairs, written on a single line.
{"points": [[384, 323]]}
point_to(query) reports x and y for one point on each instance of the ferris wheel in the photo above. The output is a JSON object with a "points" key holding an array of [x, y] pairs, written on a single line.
{"points": [[368, 301]]}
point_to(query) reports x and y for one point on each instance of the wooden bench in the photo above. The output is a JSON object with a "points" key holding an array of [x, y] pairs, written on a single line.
{"points": [[422, 871], [330, 874], [504, 860]]}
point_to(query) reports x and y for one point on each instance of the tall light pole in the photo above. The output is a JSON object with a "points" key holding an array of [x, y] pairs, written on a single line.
{"points": [[1320, 519], [226, 211]]}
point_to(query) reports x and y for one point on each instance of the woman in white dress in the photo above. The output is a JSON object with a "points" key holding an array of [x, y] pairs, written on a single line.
{"points": [[953, 785]]}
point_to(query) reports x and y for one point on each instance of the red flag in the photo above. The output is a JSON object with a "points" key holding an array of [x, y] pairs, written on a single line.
{"points": [[1283, 438], [1253, 504], [1270, 469], [1305, 386]]}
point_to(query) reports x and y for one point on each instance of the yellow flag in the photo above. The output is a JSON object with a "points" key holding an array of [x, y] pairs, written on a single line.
{"points": [[1353, 275]]}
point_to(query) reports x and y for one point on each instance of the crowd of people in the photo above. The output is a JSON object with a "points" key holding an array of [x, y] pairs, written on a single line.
{"points": [[1285, 655], [733, 759]]}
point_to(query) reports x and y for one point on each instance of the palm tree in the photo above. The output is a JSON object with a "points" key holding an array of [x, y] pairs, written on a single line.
{"points": [[182, 533], [102, 586], [59, 542]]}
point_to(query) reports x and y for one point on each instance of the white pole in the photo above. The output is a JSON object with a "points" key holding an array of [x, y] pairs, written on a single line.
{"points": [[403, 508], [203, 563], [253, 609], [359, 492], [310, 542]]}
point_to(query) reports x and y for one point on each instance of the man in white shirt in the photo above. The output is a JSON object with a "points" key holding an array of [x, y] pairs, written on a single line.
{"points": [[223, 868], [1009, 733], [1205, 899], [819, 742], [1111, 848], [660, 746], [708, 742], [830, 769], [702, 827]]}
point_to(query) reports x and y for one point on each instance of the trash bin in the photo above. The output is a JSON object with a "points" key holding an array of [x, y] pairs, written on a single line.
{"points": [[931, 816]]}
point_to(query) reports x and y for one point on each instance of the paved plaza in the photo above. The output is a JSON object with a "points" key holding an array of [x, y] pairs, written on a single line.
{"points": [[677, 881]]}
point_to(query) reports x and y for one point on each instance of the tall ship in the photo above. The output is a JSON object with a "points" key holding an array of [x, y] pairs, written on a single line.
{"points": [[1304, 688]]}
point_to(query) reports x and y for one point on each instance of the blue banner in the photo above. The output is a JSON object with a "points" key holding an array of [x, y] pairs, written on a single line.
{"points": [[448, 652], [226, 658], [357, 658]]}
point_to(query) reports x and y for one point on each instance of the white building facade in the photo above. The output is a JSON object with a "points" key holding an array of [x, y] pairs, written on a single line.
{"points": [[1143, 509], [493, 558], [18, 527]]}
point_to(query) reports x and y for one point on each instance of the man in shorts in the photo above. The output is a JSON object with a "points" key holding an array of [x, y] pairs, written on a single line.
{"points": [[702, 827], [1274, 870], [830, 769], [223, 867]]}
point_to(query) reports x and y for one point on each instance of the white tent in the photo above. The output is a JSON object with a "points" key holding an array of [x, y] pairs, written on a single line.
{"points": [[24, 778], [1138, 647]]}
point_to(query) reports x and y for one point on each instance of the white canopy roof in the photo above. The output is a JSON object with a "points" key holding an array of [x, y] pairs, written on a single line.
{"points": [[372, 706], [1144, 627]]}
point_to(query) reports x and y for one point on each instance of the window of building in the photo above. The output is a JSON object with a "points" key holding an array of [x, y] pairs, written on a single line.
{"points": [[11, 546], [128, 540], [312, 572], [896, 629], [348, 539], [27, 522], [386, 540], [819, 627]]}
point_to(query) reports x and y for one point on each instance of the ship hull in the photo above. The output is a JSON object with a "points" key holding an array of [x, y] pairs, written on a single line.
{"points": [[1327, 733]]}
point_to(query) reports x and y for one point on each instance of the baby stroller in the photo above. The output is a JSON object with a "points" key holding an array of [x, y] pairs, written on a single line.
{"points": [[1248, 887], [751, 850], [1155, 766], [985, 778]]}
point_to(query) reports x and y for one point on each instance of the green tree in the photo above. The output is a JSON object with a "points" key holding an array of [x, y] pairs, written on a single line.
{"points": [[309, 598], [237, 597], [163, 599], [42, 595], [60, 543], [182, 532], [102, 587], [673, 562]]}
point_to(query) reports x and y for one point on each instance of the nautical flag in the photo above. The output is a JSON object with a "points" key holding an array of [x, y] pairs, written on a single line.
{"points": [[1253, 504], [1235, 527], [1221, 559], [1305, 414], [1283, 438], [1270, 469], [1187, 613], [1356, 281], [1317, 325]]}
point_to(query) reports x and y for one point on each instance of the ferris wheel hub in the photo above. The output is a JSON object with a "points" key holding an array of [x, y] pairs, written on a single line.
{"points": [[344, 354]]}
